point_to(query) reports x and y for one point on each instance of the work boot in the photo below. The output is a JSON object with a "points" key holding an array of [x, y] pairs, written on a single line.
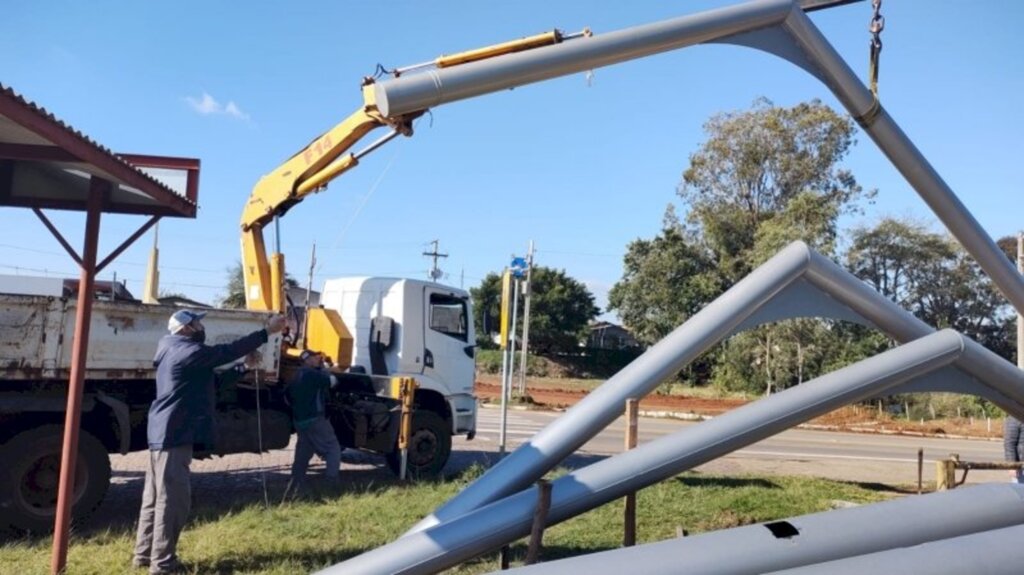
{"points": [[140, 562], [175, 567]]}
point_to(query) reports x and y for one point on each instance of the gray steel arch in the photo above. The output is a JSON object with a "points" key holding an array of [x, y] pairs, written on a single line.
{"points": [[778, 27], [488, 527], [491, 526], [797, 282]]}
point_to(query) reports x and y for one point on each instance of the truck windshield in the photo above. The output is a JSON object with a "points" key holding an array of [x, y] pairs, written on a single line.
{"points": [[448, 315]]}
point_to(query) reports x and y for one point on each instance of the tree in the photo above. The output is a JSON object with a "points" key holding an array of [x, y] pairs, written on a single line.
{"points": [[487, 309], [561, 308], [665, 280], [234, 297], [763, 164], [932, 276], [763, 178]]}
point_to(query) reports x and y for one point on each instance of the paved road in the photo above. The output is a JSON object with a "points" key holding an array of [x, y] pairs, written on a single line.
{"points": [[224, 482], [852, 456]]}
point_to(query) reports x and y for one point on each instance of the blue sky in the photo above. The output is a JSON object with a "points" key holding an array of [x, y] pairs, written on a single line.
{"points": [[580, 167]]}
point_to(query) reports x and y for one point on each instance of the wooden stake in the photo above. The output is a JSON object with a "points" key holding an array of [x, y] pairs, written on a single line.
{"points": [[920, 469], [540, 520], [629, 515]]}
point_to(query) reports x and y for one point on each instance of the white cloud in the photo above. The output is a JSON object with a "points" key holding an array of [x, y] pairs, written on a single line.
{"points": [[208, 105], [235, 112]]}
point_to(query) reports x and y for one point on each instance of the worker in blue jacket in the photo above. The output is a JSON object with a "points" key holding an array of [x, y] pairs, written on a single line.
{"points": [[180, 419], [307, 395]]}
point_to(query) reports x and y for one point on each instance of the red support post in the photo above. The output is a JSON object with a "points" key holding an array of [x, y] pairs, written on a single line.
{"points": [[72, 418]]}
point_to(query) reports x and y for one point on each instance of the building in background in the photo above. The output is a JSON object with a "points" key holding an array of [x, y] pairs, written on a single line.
{"points": [[607, 335]]}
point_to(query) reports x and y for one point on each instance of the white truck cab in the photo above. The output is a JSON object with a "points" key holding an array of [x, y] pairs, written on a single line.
{"points": [[416, 328]]}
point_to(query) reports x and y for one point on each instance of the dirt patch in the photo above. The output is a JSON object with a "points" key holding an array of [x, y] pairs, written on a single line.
{"points": [[851, 418], [560, 398]]}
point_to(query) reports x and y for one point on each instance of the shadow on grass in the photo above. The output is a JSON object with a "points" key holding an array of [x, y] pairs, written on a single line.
{"points": [[885, 487], [302, 561], [219, 493], [729, 482]]}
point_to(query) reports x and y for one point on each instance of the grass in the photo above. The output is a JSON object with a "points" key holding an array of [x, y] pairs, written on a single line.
{"points": [[309, 535]]}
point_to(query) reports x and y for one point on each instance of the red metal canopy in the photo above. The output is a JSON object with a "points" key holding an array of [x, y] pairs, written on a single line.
{"points": [[44, 163]]}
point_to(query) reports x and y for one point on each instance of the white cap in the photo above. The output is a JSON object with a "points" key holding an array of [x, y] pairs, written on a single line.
{"points": [[183, 317]]}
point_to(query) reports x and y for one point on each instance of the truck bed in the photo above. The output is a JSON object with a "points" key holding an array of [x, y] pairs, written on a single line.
{"points": [[36, 335]]}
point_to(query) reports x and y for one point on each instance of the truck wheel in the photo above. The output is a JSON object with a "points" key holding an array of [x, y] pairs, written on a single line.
{"points": [[430, 444], [30, 474]]}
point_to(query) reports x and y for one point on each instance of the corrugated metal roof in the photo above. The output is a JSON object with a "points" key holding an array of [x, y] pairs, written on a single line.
{"points": [[45, 162]]}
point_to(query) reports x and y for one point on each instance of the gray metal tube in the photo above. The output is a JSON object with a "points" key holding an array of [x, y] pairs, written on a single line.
{"points": [[419, 91], [709, 326], [588, 417], [830, 536], [996, 552], [498, 523], [920, 174]]}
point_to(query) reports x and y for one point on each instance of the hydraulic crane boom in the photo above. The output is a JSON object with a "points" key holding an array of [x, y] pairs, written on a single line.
{"points": [[305, 173], [328, 157], [311, 169]]}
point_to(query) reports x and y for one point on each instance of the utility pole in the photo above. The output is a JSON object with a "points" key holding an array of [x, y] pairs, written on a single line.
{"points": [[435, 272], [303, 334], [527, 290]]}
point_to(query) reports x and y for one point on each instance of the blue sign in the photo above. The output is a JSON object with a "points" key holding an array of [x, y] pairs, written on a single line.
{"points": [[518, 267]]}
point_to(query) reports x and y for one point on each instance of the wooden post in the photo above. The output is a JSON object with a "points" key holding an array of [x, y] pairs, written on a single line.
{"points": [[945, 473], [540, 520], [629, 515], [920, 469], [504, 558]]}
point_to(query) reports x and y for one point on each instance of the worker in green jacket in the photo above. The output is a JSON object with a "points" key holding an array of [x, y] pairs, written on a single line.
{"points": [[307, 394]]}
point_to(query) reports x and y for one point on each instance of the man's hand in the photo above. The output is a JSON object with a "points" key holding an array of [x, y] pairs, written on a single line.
{"points": [[275, 324]]}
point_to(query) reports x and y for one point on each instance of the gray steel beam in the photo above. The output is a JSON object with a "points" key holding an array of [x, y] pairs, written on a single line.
{"points": [[932, 533], [411, 93], [996, 552], [797, 282], [919, 173], [484, 529], [802, 44]]}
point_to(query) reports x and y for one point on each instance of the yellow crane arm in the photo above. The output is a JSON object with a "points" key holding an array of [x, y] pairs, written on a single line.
{"points": [[311, 169], [305, 173]]}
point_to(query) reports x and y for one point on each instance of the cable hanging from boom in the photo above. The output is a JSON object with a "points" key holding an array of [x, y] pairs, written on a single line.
{"points": [[876, 26]]}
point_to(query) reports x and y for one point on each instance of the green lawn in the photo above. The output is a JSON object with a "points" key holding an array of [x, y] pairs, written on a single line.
{"points": [[305, 536]]}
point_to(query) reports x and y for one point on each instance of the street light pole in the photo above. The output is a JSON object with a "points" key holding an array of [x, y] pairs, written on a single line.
{"points": [[527, 291]]}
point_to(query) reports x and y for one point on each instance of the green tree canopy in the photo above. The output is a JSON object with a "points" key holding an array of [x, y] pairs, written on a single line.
{"points": [[234, 291], [769, 165], [932, 276], [665, 280], [561, 308]]}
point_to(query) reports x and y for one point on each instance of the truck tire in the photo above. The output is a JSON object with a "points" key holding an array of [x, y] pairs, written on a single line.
{"points": [[430, 444], [30, 474]]}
